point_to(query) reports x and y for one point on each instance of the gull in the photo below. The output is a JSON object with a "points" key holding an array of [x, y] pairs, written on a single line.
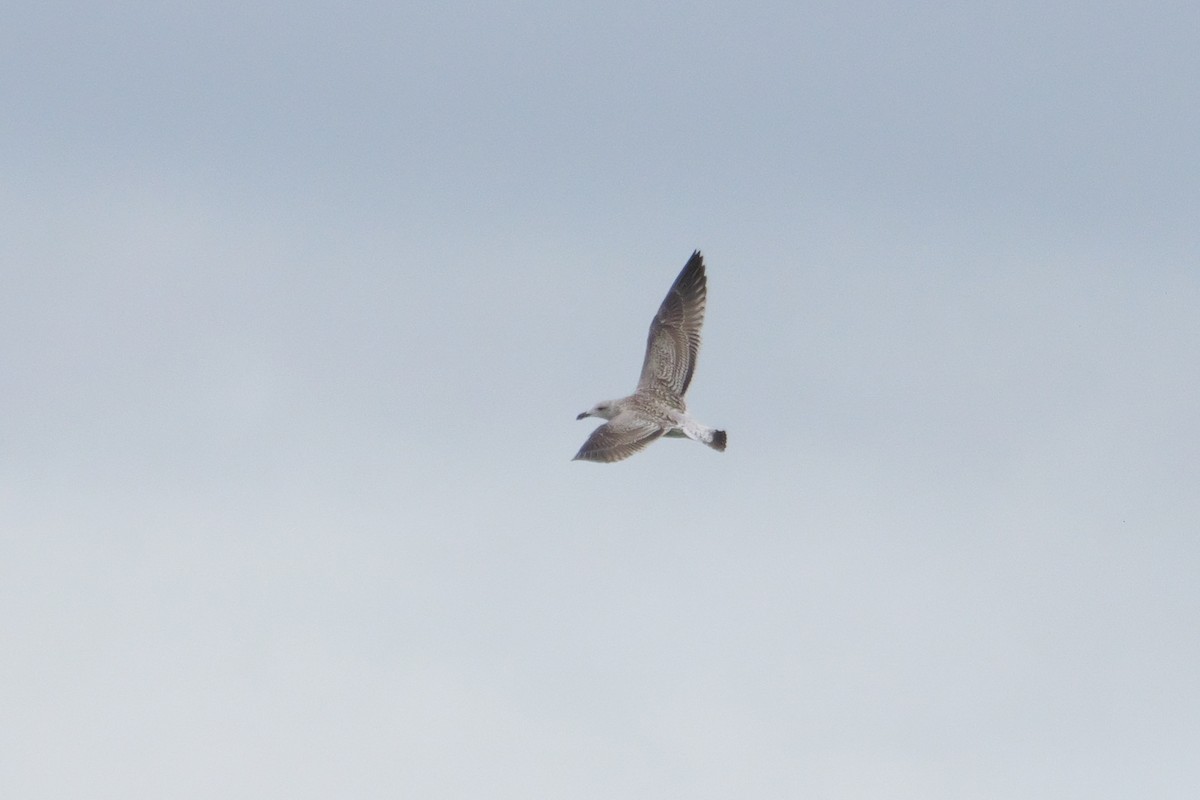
{"points": [[656, 407]]}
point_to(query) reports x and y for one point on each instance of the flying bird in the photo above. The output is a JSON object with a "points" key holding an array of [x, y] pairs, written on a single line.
{"points": [[656, 407]]}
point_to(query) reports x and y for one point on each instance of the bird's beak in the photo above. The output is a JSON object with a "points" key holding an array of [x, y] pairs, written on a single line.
{"points": [[584, 414]]}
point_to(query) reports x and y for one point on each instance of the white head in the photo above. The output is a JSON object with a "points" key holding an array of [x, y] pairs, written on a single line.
{"points": [[605, 410]]}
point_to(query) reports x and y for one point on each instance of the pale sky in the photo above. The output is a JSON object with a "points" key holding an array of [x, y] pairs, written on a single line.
{"points": [[300, 302]]}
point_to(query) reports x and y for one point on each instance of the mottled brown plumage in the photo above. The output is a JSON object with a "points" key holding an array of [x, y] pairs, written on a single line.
{"points": [[657, 408]]}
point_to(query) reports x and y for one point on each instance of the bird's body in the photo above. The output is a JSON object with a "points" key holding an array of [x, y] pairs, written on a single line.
{"points": [[656, 408]]}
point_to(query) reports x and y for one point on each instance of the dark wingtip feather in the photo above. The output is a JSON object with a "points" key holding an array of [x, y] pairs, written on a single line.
{"points": [[692, 269], [718, 442], [691, 278]]}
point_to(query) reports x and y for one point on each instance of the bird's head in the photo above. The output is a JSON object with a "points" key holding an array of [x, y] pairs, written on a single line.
{"points": [[605, 410]]}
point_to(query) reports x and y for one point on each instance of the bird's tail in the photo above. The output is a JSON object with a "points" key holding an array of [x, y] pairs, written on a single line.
{"points": [[701, 433]]}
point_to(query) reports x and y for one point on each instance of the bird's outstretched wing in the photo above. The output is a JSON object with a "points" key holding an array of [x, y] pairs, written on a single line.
{"points": [[674, 341], [619, 438]]}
